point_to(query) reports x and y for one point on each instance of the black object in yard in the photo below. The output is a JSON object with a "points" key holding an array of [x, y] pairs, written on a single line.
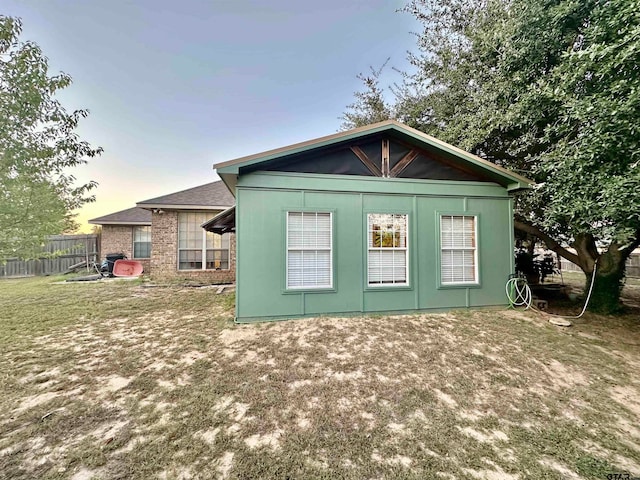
{"points": [[106, 269], [88, 278]]}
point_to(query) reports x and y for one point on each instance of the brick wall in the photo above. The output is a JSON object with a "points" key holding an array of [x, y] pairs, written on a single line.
{"points": [[164, 253], [119, 239], [116, 239]]}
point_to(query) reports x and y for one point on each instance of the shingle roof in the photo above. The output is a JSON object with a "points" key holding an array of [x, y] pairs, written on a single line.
{"points": [[210, 195], [130, 216]]}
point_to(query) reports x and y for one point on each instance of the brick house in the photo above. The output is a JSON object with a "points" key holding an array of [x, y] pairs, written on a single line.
{"points": [[178, 247], [127, 231]]}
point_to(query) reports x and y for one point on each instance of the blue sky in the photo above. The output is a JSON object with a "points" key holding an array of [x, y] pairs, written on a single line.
{"points": [[174, 87]]}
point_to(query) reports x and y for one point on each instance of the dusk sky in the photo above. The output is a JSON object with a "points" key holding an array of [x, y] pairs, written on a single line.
{"points": [[176, 86]]}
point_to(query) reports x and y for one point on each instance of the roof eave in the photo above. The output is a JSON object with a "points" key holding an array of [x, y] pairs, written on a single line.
{"points": [[112, 222], [165, 206], [229, 170], [233, 166], [230, 180], [519, 186]]}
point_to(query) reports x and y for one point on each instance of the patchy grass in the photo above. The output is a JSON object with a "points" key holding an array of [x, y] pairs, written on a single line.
{"points": [[119, 380]]}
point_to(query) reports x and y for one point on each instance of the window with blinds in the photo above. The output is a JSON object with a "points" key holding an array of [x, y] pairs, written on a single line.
{"points": [[387, 249], [458, 254], [142, 242], [309, 250]]}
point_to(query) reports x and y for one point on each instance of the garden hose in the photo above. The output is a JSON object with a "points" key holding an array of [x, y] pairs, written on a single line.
{"points": [[519, 294]]}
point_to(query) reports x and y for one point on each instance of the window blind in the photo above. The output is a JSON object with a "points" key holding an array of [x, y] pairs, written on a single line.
{"points": [[309, 250], [458, 256]]}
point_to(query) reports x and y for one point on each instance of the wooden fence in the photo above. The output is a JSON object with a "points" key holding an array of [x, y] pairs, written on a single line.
{"points": [[632, 271], [72, 249]]}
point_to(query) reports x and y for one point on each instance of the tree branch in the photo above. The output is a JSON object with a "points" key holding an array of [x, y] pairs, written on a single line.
{"points": [[549, 242], [628, 250], [585, 245]]}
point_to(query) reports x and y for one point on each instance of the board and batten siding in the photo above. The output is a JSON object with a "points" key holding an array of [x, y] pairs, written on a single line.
{"points": [[264, 198]]}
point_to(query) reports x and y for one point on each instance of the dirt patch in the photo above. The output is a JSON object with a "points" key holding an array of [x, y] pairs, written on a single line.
{"points": [[561, 469], [271, 440], [224, 464], [563, 376], [627, 396], [497, 474], [192, 357], [85, 474], [446, 399], [395, 460], [209, 436], [230, 337], [108, 430], [36, 400], [492, 437], [113, 384]]}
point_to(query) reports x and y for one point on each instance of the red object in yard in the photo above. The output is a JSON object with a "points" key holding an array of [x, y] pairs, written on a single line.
{"points": [[127, 268]]}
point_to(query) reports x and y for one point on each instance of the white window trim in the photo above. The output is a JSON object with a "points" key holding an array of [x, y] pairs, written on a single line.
{"points": [[476, 280], [406, 250], [133, 242], [203, 250], [286, 273]]}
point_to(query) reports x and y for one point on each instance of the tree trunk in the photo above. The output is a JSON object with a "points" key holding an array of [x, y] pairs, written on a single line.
{"points": [[610, 265], [607, 286]]}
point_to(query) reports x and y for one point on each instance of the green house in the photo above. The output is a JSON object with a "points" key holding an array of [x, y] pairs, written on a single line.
{"points": [[382, 218]]}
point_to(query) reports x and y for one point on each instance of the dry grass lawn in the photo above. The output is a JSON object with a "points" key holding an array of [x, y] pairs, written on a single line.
{"points": [[120, 380]]}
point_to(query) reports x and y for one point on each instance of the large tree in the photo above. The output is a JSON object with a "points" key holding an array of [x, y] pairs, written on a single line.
{"points": [[369, 105], [38, 147], [550, 89]]}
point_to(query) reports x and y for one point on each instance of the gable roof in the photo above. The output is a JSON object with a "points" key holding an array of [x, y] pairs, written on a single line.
{"points": [[211, 196], [230, 170], [130, 216]]}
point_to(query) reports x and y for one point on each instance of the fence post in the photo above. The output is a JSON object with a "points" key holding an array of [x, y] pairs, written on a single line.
{"points": [[86, 252]]}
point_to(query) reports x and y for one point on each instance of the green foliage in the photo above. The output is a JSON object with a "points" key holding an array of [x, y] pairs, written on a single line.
{"points": [[370, 105], [38, 147], [550, 89], [597, 154]]}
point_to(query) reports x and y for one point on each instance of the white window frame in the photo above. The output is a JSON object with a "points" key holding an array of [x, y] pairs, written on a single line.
{"points": [[203, 248], [369, 231], [474, 249], [310, 249], [133, 237]]}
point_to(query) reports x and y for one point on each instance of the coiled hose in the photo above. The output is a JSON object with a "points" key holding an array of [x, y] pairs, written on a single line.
{"points": [[519, 294]]}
